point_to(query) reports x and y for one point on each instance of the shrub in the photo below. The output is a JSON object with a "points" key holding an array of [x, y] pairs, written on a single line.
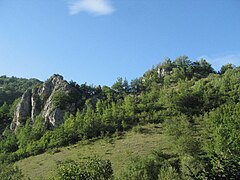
{"points": [[8, 171], [90, 169], [157, 165], [60, 99], [138, 129]]}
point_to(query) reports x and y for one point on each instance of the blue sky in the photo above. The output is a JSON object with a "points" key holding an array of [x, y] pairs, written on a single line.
{"points": [[96, 41]]}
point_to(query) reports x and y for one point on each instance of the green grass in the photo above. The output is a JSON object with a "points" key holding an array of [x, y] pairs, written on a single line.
{"points": [[119, 150]]}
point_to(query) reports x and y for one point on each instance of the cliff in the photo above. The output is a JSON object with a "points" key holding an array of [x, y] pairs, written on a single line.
{"points": [[50, 100]]}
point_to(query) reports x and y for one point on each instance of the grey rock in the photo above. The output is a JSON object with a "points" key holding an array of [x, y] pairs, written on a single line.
{"points": [[23, 110], [39, 101]]}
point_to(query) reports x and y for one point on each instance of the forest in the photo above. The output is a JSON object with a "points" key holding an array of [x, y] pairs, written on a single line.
{"points": [[197, 107]]}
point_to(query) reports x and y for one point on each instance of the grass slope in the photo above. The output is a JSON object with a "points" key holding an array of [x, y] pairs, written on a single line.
{"points": [[119, 150]]}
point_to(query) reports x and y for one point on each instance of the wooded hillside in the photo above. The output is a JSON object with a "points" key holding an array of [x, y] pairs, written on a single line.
{"points": [[198, 108]]}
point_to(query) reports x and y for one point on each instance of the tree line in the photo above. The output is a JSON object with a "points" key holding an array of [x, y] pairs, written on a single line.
{"points": [[198, 107]]}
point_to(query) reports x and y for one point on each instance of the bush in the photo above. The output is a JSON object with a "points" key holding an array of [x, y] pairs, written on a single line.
{"points": [[157, 165], [138, 129], [220, 167], [60, 99], [10, 172], [90, 169], [168, 173]]}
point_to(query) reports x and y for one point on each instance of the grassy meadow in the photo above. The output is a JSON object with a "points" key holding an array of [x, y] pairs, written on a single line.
{"points": [[119, 149]]}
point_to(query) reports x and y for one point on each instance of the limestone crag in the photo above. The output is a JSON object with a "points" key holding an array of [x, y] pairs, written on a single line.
{"points": [[23, 109], [39, 101]]}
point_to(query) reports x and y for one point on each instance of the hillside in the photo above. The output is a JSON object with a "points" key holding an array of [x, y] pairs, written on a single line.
{"points": [[12, 88], [194, 106], [118, 149]]}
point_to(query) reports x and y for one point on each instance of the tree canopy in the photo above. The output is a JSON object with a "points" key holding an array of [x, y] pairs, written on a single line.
{"points": [[197, 106]]}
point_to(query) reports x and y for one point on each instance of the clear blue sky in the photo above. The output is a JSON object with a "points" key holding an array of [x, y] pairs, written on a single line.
{"points": [[96, 41]]}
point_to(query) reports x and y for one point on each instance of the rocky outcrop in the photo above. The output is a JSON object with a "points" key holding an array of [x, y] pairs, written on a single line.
{"points": [[51, 101], [23, 110]]}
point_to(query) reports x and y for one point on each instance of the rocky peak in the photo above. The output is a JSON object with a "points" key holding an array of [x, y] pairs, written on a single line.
{"points": [[56, 81], [41, 101]]}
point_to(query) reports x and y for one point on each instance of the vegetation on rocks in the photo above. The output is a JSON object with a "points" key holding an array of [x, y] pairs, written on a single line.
{"points": [[197, 107]]}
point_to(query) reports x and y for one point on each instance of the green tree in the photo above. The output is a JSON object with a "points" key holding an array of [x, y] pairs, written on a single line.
{"points": [[121, 86], [182, 62], [201, 69], [222, 143], [225, 67], [4, 112], [136, 86], [24, 135], [8, 142], [60, 99], [38, 128], [70, 128]]}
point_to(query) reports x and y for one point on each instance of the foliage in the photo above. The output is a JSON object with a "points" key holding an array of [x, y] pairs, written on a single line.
{"points": [[221, 143], [198, 108], [12, 88], [4, 116], [157, 165], [168, 173], [60, 99], [8, 143], [219, 166], [225, 67], [90, 169], [118, 148], [10, 172]]}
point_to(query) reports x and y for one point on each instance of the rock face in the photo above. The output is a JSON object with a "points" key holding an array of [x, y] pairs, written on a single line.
{"points": [[51, 101]]}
